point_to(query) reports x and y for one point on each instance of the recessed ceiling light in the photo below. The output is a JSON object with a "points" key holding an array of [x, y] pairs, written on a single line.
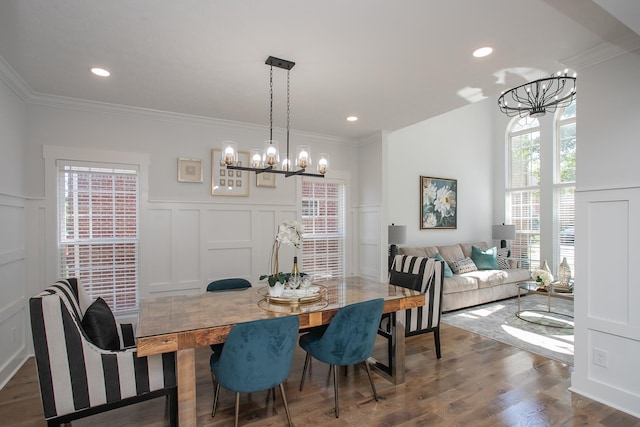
{"points": [[482, 52], [102, 72], [352, 118]]}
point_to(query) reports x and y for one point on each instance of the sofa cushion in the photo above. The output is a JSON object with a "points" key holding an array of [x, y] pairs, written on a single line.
{"points": [[100, 326], [463, 266], [485, 259], [466, 247], [412, 251], [458, 283], [447, 269], [451, 253]]}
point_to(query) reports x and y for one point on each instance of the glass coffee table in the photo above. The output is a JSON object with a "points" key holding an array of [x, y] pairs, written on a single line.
{"points": [[548, 317]]}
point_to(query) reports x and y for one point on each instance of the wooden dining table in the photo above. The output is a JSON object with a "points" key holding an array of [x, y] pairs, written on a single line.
{"points": [[184, 322]]}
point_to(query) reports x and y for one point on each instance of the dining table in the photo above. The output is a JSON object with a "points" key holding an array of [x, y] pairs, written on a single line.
{"points": [[182, 323]]}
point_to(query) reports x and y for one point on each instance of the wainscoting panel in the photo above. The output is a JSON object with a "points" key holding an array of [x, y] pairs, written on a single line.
{"points": [[13, 313], [187, 235], [370, 223], [607, 321], [609, 288], [157, 251]]}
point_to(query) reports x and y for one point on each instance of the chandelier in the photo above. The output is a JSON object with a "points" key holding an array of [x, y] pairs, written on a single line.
{"points": [[268, 159], [536, 98]]}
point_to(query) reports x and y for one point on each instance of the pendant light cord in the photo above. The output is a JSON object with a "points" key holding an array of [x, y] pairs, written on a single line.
{"points": [[271, 105]]}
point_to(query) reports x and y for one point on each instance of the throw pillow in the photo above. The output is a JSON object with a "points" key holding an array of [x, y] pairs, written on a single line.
{"points": [[504, 252], [485, 259], [406, 280], [463, 266], [100, 326], [447, 269], [503, 263]]}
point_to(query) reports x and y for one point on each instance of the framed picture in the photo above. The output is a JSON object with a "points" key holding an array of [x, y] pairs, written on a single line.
{"points": [[189, 170], [266, 179], [438, 203], [229, 182]]}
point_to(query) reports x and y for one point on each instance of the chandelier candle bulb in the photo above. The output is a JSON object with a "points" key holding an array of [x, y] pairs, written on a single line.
{"points": [[323, 163], [256, 158], [304, 159], [229, 153]]}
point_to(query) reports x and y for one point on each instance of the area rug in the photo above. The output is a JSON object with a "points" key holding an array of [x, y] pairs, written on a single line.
{"points": [[498, 321]]}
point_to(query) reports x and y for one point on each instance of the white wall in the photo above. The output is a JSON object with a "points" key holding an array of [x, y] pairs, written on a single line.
{"points": [[607, 234], [188, 236], [455, 145], [13, 314]]}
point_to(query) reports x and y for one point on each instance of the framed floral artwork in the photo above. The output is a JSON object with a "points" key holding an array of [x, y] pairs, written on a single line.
{"points": [[438, 203]]}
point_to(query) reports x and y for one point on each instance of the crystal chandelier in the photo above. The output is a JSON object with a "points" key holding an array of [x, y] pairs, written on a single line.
{"points": [[536, 98], [268, 159]]}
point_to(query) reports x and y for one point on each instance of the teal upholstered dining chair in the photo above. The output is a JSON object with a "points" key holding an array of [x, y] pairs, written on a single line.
{"points": [[256, 356], [348, 340], [233, 283], [228, 284]]}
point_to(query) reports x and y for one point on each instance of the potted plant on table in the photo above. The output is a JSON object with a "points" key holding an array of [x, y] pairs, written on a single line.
{"points": [[542, 277], [289, 233]]}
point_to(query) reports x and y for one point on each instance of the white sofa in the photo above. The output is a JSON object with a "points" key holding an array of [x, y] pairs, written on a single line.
{"points": [[476, 287]]}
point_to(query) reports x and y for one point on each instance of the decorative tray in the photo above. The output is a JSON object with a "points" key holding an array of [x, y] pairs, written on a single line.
{"points": [[294, 296]]}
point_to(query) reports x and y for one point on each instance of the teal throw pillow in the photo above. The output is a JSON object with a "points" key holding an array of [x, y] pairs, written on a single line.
{"points": [[447, 269], [485, 259]]}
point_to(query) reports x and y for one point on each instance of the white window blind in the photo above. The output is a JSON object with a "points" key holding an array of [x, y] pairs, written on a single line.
{"points": [[523, 192], [324, 232], [565, 177], [98, 230]]}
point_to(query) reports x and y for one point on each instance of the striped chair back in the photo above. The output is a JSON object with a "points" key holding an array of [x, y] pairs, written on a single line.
{"points": [[76, 375], [423, 319]]}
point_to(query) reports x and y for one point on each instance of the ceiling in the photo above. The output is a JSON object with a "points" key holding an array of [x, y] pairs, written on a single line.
{"points": [[391, 63]]}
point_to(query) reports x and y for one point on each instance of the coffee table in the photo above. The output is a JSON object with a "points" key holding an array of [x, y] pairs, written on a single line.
{"points": [[533, 287]]}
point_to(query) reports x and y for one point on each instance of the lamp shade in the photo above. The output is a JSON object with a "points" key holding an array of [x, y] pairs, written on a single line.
{"points": [[397, 234], [504, 232]]}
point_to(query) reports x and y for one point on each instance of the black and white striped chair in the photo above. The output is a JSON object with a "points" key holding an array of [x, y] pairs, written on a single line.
{"points": [[426, 275], [77, 378]]}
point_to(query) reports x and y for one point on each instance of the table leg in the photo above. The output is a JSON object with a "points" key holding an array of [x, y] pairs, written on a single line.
{"points": [[186, 371]]}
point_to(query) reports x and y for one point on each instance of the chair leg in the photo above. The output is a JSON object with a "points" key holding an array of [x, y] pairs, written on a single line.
{"points": [[436, 338], [304, 370], [216, 393], [286, 406], [335, 389], [373, 386], [237, 407]]}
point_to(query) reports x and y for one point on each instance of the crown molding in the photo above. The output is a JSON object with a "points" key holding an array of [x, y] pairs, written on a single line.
{"points": [[603, 52], [13, 81]]}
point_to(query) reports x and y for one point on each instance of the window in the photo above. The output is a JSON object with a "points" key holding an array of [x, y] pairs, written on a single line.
{"points": [[523, 192], [564, 185], [540, 187], [98, 230], [324, 232]]}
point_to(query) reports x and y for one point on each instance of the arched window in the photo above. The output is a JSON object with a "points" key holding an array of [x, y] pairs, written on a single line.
{"points": [[523, 190], [541, 162]]}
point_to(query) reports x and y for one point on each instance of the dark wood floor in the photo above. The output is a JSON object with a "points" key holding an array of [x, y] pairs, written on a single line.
{"points": [[478, 382]]}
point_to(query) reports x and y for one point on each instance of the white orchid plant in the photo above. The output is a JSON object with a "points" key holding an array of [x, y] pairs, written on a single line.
{"points": [[542, 276], [289, 233]]}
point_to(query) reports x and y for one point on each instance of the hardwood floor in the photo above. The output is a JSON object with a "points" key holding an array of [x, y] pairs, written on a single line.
{"points": [[478, 382]]}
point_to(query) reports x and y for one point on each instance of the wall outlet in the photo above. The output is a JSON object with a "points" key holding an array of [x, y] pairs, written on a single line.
{"points": [[600, 357]]}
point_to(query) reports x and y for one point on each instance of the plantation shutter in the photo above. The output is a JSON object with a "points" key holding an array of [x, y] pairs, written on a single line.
{"points": [[322, 213], [98, 230]]}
